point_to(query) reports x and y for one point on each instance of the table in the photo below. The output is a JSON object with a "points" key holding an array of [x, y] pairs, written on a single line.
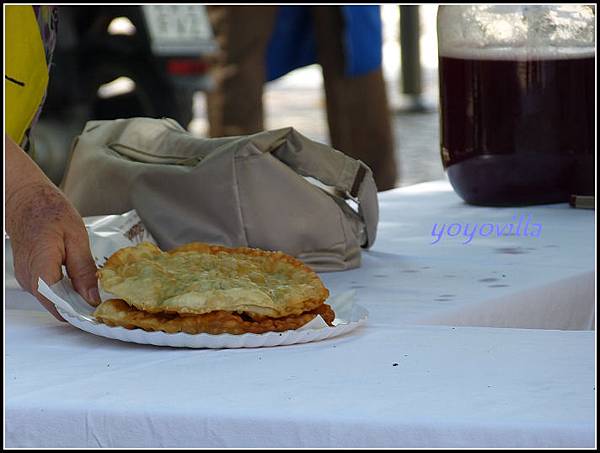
{"points": [[485, 344]]}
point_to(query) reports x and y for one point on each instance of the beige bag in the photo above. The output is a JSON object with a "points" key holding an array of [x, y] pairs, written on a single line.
{"points": [[275, 190]]}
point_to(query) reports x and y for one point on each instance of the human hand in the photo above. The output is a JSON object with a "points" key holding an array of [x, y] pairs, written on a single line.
{"points": [[46, 232]]}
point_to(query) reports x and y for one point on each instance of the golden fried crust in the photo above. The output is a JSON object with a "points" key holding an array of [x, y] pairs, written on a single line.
{"points": [[116, 312], [199, 278]]}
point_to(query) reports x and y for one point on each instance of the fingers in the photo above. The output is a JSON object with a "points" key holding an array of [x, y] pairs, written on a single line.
{"points": [[48, 267], [46, 232], [30, 288], [81, 268], [44, 263], [48, 305]]}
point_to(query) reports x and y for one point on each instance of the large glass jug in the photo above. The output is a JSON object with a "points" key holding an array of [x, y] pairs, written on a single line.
{"points": [[517, 101]]}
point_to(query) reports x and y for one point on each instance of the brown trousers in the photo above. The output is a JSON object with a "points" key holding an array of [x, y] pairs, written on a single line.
{"points": [[357, 107]]}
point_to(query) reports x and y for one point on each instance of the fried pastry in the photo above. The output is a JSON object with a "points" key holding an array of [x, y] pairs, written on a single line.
{"points": [[207, 288], [116, 312]]}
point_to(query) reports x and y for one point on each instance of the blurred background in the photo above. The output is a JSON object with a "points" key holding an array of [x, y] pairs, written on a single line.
{"points": [[122, 61]]}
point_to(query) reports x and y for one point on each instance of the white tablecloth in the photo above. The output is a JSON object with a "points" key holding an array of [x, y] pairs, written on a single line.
{"points": [[479, 345]]}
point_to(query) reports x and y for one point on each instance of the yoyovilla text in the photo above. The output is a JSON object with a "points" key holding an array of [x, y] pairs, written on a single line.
{"points": [[467, 231]]}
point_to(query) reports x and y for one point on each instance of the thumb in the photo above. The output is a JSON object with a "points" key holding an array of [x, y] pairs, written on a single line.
{"points": [[82, 269]]}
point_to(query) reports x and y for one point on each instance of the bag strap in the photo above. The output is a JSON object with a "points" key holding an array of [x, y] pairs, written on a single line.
{"points": [[155, 141], [350, 178]]}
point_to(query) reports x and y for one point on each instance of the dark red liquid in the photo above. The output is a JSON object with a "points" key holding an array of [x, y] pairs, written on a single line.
{"points": [[518, 132]]}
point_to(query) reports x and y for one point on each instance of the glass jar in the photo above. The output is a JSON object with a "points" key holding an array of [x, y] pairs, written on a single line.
{"points": [[517, 102]]}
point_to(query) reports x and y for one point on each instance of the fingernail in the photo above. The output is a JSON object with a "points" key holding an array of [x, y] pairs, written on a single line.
{"points": [[94, 296]]}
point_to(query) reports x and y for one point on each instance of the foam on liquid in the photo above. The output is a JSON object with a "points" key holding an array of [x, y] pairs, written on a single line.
{"points": [[519, 53]]}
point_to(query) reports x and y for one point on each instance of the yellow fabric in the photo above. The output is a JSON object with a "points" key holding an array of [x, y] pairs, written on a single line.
{"points": [[26, 76]]}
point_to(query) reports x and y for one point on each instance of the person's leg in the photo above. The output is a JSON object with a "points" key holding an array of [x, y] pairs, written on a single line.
{"points": [[242, 33], [357, 107]]}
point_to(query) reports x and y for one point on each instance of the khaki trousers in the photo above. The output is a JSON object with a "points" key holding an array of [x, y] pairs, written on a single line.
{"points": [[357, 107]]}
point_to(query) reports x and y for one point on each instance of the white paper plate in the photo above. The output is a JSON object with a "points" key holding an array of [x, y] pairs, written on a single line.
{"points": [[77, 312]]}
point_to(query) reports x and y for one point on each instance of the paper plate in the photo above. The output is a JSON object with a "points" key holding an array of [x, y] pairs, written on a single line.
{"points": [[78, 313]]}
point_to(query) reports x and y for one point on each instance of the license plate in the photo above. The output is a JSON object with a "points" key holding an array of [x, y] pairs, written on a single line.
{"points": [[179, 29]]}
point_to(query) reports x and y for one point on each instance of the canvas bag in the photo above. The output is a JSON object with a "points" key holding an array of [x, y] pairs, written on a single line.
{"points": [[275, 190]]}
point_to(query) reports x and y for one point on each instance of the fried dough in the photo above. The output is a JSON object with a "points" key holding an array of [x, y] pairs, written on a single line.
{"points": [[199, 278], [116, 312]]}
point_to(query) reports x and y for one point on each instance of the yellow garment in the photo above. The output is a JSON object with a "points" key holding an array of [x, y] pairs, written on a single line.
{"points": [[26, 76]]}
